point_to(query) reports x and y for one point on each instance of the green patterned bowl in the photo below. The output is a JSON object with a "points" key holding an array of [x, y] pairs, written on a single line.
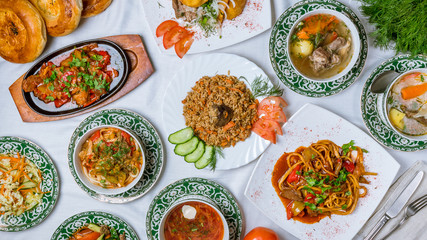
{"points": [[354, 36], [372, 107], [50, 184], [190, 188], [144, 130], [384, 96], [194, 198], [281, 62], [84, 178], [74, 223]]}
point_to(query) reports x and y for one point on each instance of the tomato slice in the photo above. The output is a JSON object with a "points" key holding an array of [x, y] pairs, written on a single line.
{"points": [[173, 36], [294, 177], [95, 136], [183, 45], [126, 136], [276, 114], [267, 129], [273, 102], [349, 166], [309, 198], [165, 27]]}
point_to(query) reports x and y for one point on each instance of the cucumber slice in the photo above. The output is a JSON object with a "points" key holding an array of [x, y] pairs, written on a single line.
{"points": [[187, 147], [206, 158], [197, 154], [181, 136], [28, 185]]}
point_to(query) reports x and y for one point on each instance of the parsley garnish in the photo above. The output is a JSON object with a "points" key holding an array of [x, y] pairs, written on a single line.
{"points": [[96, 57], [348, 146], [310, 205]]}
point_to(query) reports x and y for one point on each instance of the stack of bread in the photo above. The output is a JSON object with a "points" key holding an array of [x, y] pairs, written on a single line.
{"points": [[24, 24]]}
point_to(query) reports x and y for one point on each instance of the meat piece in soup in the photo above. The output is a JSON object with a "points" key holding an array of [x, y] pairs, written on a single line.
{"points": [[407, 104], [321, 46]]}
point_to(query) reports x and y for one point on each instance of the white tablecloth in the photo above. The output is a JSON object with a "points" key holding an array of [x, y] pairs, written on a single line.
{"points": [[127, 17]]}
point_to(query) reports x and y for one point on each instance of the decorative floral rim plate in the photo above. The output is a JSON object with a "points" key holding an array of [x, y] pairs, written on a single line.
{"points": [[50, 184], [141, 127], [371, 105], [282, 63], [210, 65], [255, 19], [302, 129], [75, 222], [186, 187]]}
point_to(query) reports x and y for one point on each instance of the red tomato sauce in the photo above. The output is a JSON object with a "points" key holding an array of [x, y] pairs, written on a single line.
{"points": [[206, 225], [279, 169]]}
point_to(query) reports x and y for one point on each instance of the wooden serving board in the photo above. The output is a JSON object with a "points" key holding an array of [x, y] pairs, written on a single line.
{"points": [[140, 70]]}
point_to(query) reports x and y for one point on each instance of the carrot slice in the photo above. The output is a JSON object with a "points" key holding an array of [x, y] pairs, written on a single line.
{"points": [[413, 91], [228, 125]]}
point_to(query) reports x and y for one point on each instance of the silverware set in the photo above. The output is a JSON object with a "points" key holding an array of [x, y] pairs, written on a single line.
{"points": [[398, 205], [410, 211]]}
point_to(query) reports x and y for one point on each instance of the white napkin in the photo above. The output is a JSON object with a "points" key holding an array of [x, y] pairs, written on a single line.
{"points": [[415, 226]]}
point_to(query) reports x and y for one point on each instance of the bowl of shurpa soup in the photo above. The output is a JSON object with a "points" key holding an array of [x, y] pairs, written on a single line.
{"points": [[323, 45], [405, 104]]}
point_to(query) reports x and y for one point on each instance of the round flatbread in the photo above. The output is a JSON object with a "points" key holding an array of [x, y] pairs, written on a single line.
{"points": [[61, 16], [22, 31], [94, 7]]}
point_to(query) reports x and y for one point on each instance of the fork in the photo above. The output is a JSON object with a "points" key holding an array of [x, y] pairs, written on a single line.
{"points": [[410, 211]]}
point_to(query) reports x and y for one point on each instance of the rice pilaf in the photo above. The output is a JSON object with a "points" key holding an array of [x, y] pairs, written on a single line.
{"points": [[221, 110]]}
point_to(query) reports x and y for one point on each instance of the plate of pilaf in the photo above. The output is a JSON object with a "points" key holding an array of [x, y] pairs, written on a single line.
{"points": [[214, 101]]}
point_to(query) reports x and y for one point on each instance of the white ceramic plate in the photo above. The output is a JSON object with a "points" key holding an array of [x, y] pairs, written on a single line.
{"points": [[255, 19], [211, 65], [310, 124]]}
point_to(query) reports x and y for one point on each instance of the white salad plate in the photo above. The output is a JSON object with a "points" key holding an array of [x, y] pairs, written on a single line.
{"points": [[255, 19], [310, 124], [210, 65]]}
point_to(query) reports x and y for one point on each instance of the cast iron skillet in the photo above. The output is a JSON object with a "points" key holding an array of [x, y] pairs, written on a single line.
{"points": [[119, 61]]}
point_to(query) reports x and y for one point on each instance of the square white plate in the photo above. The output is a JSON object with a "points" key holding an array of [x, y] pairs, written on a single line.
{"points": [[310, 124], [255, 19]]}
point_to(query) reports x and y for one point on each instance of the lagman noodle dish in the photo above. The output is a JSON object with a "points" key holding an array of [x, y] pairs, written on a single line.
{"points": [[320, 180], [407, 104], [193, 220], [111, 158], [97, 232], [83, 77], [221, 110], [321, 46], [20, 181]]}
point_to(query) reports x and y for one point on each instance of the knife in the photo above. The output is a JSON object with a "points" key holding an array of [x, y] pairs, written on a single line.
{"points": [[397, 206]]}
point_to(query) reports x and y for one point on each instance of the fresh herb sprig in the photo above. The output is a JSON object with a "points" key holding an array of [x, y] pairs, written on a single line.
{"points": [[400, 24], [260, 87], [218, 153]]}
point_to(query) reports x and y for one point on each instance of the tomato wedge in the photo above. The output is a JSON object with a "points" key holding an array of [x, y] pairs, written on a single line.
{"points": [[276, 114], [267, 129], [349, 166], [164, 27], [270, 103], [183, 45], [294, 177], [173, 36]]}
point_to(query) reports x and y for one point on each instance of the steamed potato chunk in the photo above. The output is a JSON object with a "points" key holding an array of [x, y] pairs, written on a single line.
{"points": [[302, 48], [235, 9], [396, 118], [193, 3]]}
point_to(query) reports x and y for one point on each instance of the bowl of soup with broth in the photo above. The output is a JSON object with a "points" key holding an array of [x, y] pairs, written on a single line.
{"points": [[323, 45], [405, 104]]}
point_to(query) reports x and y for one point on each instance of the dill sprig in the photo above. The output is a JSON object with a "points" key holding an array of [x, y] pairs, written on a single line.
{"points": [[217, 153], [403, 22], [260, 87]]}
